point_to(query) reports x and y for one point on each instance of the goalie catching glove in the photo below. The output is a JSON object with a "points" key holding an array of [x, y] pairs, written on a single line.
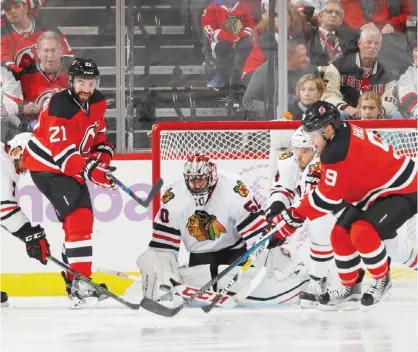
{"points": [[286, 223], [99, 174], [37, 245]]}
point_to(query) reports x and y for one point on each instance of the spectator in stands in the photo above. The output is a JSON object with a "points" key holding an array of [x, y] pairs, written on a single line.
{"points": [[407, 85], [332, 38], [33, 7], [353, 74], [298, 65], [11, 97], [377, 14], [297, 27], [228, 25], [45, 77], [370, 106], [309, 90], [19, 34]]}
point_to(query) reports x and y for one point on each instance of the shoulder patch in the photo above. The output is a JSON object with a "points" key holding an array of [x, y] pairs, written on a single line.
{"points": [[167, 196], [241, 189], [337, 149], [62, 105], [285, 155], [315, 169]]}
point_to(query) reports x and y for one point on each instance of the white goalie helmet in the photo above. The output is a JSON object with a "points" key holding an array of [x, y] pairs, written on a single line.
{"points": [[301, 140], [199, 167], [20, 140]]}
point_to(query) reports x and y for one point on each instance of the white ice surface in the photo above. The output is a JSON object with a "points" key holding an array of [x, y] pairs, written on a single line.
{"points": [[47, 325]]}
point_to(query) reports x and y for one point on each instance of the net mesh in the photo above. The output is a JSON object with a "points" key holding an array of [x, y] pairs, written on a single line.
{"points": [[253, 155]]}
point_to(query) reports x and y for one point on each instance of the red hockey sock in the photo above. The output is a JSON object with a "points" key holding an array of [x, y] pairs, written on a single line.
{"points": [[347, 259], [371, 248]]}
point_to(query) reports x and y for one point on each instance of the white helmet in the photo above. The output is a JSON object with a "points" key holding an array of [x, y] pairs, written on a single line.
{"points": [[301, 139], [20, 140], [199, 166]]}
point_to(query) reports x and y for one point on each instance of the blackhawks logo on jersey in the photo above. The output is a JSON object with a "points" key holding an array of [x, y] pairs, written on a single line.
{"points": [[315, 169], [167, 196], [241, 189], [204, 226], [286, 154]]}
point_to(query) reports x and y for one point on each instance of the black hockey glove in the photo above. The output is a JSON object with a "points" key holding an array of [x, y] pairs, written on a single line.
{"points": [[37, 245], [274, 209]]}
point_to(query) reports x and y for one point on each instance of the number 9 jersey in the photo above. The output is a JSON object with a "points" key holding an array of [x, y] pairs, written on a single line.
{"points": [[358, 168], [66, 133]]}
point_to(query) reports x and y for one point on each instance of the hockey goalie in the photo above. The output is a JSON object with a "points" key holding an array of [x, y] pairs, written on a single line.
{"points": [[217, 218]]}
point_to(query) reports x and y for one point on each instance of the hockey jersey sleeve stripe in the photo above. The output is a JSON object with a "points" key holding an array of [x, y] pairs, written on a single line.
{"points": [[166, 238], [249, 221], [65, 154], [8, 202], [34, 149], [8, 215], [321, 203], [162, 228], [260, 223], [159, 245], [11, 207]]}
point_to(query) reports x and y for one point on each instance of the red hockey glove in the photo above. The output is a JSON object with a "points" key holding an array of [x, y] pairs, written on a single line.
{"points": [[37, 245], [103, 152], [98, 173], [286, 223]]}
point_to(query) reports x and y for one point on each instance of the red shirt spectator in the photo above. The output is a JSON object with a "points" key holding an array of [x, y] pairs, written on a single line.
{"points": [[45, 77], [378, 13], [19, 34]]}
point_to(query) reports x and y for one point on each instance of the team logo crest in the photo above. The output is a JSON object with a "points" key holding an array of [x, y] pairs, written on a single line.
{"points": [[233, 24], [315, 169], [167, 196], [204, 227], [321, 110], [241, 189], [286, 154]]}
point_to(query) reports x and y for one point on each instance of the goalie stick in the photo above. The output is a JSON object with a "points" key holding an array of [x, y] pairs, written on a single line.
{"points": [[119, 274], [145, 203], [97, 287], [164, 311]]}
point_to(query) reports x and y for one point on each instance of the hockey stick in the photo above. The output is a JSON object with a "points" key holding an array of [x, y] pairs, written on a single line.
{"points": [[97, 287], [145, 203], [119, 274], [164, 311]]}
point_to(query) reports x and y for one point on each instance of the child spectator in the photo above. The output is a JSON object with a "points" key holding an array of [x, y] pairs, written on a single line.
{"points": [[370, 106]]}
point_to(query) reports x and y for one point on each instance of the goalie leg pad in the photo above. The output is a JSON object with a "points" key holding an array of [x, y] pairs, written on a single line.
{"points": [[157, 268], [196, 276]]}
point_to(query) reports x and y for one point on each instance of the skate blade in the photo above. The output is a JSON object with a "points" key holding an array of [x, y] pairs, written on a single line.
{"points": [[345, 306], [368, 308], [306, 304], [86, 302]]}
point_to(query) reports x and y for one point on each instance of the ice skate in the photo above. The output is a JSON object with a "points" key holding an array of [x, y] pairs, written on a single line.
{"points": [[343, 297], [309, 298], [377, 290], [4, 299]]}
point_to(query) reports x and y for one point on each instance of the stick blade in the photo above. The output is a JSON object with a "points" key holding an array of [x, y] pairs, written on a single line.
{"points": [[155, 189], [159, 309]]}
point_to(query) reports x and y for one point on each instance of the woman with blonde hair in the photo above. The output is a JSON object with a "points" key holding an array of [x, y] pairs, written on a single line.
{"points": [[309, 90]]}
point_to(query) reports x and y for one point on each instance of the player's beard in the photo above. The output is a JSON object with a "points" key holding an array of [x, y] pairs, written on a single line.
{"points": [[83, 97]]}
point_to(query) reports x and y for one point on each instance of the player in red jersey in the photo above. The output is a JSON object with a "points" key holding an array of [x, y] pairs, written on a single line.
{"points": [[376, 188], [69, 146]]}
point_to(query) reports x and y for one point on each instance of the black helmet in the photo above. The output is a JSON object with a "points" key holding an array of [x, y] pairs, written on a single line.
{"points": [[319, 115], [85, 68]]}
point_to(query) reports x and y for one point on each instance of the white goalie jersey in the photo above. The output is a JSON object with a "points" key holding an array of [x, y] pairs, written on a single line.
{"points": [[229, 219], [12, 217]]}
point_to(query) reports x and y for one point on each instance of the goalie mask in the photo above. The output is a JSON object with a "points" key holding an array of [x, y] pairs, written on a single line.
{"points": [[200, 175]]}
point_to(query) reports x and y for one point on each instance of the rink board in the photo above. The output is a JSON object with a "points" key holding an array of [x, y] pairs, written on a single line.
{"points": [[122, 229]]}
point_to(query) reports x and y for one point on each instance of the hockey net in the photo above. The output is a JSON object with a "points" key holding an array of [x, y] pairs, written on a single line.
{"points": [[251, 149]]}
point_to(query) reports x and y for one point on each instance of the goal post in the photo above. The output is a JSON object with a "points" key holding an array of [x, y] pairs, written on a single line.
{"points": [[251, 149]]}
